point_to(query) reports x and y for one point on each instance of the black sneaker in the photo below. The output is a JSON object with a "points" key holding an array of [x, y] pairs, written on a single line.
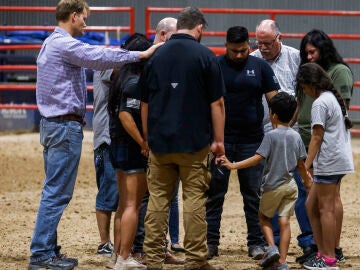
{"points": [[74, 261], [339, 255], [105, 249], [212, 252], [308, 252], [314, 263], [52, 263], [317, 263]]}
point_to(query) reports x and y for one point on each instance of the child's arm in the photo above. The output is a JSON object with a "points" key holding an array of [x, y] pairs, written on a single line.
{"points": [[314, 146], [305, 175], [251, 161]]}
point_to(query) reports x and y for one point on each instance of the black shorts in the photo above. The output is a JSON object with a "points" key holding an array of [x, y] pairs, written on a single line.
{"points": [[127, 157]]}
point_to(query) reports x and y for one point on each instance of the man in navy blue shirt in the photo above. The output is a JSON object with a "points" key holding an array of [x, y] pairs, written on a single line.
{"points": [[182, 102], [246, 78]]}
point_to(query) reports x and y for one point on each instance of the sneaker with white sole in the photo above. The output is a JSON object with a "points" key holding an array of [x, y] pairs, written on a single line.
{"points": [[119, 263], [129, 264], [106, 249], [319, 263], [314, 263], [271, 255], [74, 261], [52, 263], [112, 261], [277, 266], [256, 252]]}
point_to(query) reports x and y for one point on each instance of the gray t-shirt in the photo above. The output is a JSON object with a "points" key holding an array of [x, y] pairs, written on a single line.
{"points": [[101, 117], [335, 154], [282, 148]]}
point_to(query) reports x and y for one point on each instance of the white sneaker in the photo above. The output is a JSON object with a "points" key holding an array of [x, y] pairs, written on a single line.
{"points": [[119, 265], [131, 264], [112, 261]]}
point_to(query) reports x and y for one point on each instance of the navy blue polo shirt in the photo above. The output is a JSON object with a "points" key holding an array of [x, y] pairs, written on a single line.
{"points": [[245, 84], [179, 83]]}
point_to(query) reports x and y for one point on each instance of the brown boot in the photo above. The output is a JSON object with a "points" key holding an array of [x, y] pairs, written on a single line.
{"points": [[208, 266], [172, 259]]}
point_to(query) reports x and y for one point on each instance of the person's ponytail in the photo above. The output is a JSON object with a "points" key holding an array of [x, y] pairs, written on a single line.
{"points": [[348, 122]]}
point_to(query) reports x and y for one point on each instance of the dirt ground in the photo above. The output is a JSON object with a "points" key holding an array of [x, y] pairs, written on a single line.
{"points": [[21, 177]]}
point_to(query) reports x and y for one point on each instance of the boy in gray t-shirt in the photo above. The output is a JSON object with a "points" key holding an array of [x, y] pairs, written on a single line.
{"points": [[283, 151]]}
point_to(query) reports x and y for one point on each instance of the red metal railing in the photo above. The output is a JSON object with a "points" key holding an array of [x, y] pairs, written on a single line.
{"points": [[271, 12], [272, 15], [148, 30], [28, 87], [130, 28], [32, 87]]}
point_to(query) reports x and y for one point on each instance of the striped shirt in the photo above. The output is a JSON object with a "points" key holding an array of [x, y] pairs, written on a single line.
{"points": [[61, 63], [285, 67]]}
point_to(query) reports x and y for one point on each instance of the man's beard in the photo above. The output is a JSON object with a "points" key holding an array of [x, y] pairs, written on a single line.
{"points": [[199, 38], [236, 64]]}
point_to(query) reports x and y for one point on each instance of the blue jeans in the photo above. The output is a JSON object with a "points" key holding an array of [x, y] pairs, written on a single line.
{"points": [[62, 142], [108, 195], [249, 181], [306, 238], [174, 218]]}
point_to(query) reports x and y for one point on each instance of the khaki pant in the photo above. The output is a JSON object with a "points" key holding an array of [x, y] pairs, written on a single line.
{"points": [[163, 172]]}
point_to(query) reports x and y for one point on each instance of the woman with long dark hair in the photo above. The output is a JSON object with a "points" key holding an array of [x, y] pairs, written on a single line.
{"points": [[317, 47], [330, 156], [128, 153]]}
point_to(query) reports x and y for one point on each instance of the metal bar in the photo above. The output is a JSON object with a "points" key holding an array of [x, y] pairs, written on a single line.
{"points": [[271, 12], [32, 47], [132, 21], [51, 28], [30, 107], [18, 67], [29, 87], [354, 108], [52, 9], [263, 11], [20, 47]]}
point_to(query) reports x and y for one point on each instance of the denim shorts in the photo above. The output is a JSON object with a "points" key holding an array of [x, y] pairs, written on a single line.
{"points": [[108, 196], [328, 179], [127, 157]]}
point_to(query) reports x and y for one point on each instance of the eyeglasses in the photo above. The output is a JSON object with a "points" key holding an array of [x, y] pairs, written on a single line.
{"points": [[266, 44]]}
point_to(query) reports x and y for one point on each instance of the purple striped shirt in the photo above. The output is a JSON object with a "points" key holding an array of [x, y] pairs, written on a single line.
{"points": [[61, 63]]}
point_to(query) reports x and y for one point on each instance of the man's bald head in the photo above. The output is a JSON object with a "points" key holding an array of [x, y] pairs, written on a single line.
{"points": [[268, 26], [268, 38], [165, 28]]}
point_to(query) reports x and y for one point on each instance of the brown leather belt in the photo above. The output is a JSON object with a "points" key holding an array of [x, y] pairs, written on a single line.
{"points": [[73, 117]]}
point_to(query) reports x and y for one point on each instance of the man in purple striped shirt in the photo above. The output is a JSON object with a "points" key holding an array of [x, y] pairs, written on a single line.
{"points": [[61, 98]]}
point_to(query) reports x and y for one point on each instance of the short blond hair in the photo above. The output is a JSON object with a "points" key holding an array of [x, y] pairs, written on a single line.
{"points": [[65, 7]]}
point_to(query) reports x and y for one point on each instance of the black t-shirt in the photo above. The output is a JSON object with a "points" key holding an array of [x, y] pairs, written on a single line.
{"points": [[179, 83], [130, 102], [245, 84]]}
